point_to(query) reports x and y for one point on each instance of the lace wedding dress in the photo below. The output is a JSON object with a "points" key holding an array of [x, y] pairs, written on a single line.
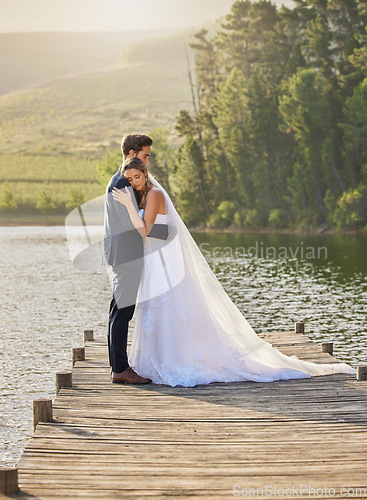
{"points": [[189, 332]]}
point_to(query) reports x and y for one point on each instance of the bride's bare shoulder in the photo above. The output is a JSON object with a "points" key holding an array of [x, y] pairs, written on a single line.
{"points": [[155, 193]]}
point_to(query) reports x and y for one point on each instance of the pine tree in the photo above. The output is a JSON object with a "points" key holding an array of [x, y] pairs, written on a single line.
{"points": [[206, 67], [359, 57], [245, 34], [279, 112], [354, 127], [231, 116], [190, 195], [162, 158], [306, 110]]}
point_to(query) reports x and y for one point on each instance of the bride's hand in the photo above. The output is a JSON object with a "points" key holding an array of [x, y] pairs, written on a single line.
{"points": [[122, 195]]}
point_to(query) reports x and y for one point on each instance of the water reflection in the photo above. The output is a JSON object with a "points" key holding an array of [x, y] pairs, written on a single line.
{"points": [[46, 304], [276, 280], [342, 251]]}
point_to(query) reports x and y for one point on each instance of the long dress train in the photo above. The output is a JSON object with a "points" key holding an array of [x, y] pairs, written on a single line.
{"points": [[189, 332]]}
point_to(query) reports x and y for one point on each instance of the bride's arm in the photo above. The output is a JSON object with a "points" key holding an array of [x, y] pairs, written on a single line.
{"points": [[124, 197], [154, 202]]}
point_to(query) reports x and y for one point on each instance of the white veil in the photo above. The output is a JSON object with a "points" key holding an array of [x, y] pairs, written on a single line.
{"points": [[216, 339]]}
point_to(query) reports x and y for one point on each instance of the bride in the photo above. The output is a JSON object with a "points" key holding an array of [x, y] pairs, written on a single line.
{"points": [[188, 331]]}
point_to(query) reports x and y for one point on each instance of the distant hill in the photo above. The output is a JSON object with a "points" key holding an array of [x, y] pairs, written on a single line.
{"points": [[77, 93], [76, 96], [30, 58], [53, 133], [67, 98], [85, 113]]}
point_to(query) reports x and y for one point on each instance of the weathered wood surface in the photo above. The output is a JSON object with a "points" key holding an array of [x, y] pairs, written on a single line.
{"points": [[110, 441]]}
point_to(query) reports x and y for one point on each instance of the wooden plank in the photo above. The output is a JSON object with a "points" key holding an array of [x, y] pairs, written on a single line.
{"points": [[121, 441]]}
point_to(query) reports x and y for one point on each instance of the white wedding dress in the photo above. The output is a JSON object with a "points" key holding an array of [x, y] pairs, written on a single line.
{"points": [[189, 332]]}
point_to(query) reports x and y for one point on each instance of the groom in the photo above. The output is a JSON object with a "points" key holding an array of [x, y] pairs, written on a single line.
{"points": [[123, 250]]}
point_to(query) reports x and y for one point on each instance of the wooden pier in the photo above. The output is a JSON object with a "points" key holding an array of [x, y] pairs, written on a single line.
{"points": [[289, 439]]}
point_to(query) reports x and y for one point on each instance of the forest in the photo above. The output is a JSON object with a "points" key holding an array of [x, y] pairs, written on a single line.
{"points": [[277, 133], [262, 124]]}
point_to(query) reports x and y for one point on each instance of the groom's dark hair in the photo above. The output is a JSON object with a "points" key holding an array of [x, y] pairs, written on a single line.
{"points": [[135, 142]]}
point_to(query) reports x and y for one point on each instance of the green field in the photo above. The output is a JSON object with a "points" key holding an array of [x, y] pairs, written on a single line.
{"points": [[46, 168], [54, 134], [89, 113], [59, 177]]}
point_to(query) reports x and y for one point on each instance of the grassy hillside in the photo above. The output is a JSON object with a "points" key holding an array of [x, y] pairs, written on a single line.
{"points": [[87, 113], [28, 59], [53, 135], [62, 178], [31, 173], [67, 98]]}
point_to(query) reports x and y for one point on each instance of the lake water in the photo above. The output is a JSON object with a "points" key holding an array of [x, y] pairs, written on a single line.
{"points": [[275, 280]]}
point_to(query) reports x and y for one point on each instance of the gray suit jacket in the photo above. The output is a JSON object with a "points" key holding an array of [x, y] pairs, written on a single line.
{"points": [[122, 243]]}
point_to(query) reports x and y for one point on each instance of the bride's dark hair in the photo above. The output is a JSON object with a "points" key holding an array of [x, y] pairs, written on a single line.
{"points": [[135, 162]]}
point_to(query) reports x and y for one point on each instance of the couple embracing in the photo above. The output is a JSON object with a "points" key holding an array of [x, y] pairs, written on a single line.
{"points": [[187, 330]]}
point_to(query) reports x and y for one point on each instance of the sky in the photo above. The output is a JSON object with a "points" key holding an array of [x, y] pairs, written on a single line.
{"points": [[108, 15]]}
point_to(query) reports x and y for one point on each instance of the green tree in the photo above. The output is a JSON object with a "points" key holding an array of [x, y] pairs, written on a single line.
{"points": [[348, 19], [245, 34], [286, 42], [8, 202], [109, 166], [305, 109], [206, 67], [231, 116], [318, 45], [162, 158], [185, 124], [278, 218], [191, 157], [265, 143], [279, 113], [75, 198], [355, 135], [351, 212], [359, 57], [45, 203], [188, 180]]}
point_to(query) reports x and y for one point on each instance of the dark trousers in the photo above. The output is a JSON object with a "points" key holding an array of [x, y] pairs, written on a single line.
{"points": [[118, 325]]}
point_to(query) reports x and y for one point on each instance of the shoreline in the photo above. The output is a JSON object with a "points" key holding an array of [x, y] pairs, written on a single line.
{"points": [[269, 230], [59, 220], [32, 220]]}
